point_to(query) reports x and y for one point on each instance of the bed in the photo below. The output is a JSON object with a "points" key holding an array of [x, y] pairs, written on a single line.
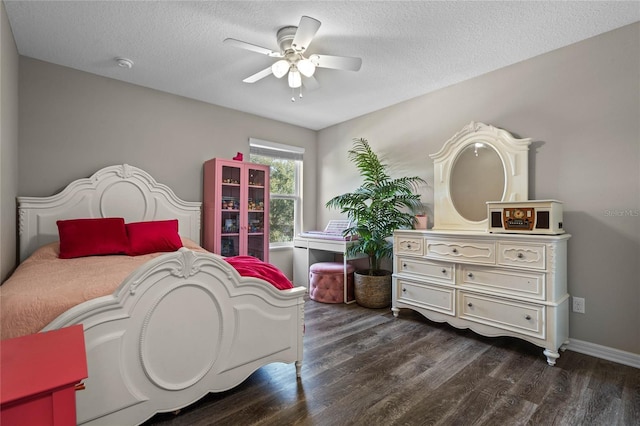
{"points": [[182, 324]]}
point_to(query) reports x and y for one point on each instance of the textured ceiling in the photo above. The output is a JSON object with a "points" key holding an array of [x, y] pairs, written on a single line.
{"points": [[407, 48]]}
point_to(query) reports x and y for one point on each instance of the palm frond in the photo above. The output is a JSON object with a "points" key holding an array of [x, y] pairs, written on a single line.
{"points": [[378, 207]]}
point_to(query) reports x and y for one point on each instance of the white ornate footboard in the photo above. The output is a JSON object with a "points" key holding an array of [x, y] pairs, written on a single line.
{"points": [[183, 325]]}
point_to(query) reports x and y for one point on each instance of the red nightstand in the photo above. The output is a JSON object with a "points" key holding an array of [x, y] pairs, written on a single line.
{"points": [[38, 377]]}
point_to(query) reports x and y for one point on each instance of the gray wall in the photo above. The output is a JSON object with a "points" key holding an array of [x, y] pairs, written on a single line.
{"points": [[73, 123], [581, 106], [8, 145]]}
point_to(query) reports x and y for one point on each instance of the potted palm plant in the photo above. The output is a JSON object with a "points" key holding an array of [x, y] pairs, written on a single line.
{"points": [[376, 209]]}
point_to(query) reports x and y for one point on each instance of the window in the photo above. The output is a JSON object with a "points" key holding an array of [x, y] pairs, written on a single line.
{"points": [[286, 187]]}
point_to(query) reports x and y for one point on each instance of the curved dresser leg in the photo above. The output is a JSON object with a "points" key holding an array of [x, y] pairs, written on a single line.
{"points": [[552, 356], [395, 311], [298, 369]]}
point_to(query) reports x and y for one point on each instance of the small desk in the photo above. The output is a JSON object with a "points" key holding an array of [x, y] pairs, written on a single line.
{"points": [[309, 250], [39, 376]]}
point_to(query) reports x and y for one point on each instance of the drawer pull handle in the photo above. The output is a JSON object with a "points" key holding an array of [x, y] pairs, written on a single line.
{"points": [[470, 275], [527, 317], [520, 255], [454, 250], [470, 304], [404, 290], [444, 271], [404, 265], [409, 246]]}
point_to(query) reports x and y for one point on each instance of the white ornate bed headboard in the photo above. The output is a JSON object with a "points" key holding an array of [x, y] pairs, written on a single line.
{"points": [[115, 191]]}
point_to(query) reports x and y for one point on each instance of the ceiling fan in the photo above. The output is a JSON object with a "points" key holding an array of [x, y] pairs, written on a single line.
{"points": [[293, 42]]}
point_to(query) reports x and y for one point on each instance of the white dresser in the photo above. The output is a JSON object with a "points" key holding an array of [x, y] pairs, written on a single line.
{"points": [[494, 284]]}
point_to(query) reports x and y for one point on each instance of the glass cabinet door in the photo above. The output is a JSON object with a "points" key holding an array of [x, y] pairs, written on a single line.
{"points": [[230, 211], [255, 212]]}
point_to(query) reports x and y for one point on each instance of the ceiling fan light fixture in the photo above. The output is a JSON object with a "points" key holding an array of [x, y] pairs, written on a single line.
{"points": [[291, 59], [295, 80], [280, 68], [306, 67]]}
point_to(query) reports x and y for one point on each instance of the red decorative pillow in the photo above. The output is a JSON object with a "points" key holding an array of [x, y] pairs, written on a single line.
{"points": [[152, 237], [92, 237]]}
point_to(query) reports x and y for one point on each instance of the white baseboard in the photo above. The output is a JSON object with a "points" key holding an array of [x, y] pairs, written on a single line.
{"points": [[604, 352]]}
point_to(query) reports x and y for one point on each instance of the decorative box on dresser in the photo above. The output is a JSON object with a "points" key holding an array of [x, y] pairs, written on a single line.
{"points": [[236, 208], [494, 284]]}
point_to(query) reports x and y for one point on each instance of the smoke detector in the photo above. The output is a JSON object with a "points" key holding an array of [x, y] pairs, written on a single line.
{"points": [[124, 63]]}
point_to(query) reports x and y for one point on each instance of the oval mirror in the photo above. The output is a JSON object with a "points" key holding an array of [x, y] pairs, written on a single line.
{"points": [[480, 163], [477, 176]]}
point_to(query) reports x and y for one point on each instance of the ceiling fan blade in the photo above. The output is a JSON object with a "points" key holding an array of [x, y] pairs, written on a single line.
{"points": [[307, 29], [336, 62], [252, 47], [258, 76], [310, 83]]}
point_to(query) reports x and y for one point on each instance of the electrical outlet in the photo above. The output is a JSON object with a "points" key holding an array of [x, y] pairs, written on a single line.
{"points": [[578, 305]]}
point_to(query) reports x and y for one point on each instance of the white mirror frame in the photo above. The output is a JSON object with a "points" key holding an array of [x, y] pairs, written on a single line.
{"points": [[514, 154]]}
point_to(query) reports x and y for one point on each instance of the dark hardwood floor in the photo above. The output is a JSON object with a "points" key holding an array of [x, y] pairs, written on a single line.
{"points": [[365, 367]]}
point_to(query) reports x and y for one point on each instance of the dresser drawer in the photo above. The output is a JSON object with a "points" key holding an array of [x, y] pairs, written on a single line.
{"points": [[522, 255], [501, 281], [462, 251], [517, 317], [409, 245], [435, 298], [424, 268]]}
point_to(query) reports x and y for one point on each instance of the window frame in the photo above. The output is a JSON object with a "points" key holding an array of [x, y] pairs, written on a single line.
{"points": [[284, 152]]}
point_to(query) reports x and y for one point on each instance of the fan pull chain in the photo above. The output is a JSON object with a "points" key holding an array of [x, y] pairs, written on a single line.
{"points": [[293, 94]]}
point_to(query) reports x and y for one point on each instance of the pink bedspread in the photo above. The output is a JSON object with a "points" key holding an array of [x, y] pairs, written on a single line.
{"points": [[28, 304]]}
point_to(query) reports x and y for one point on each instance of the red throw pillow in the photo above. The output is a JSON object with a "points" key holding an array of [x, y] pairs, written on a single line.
{"points": [[152, 237], [92, 237]]}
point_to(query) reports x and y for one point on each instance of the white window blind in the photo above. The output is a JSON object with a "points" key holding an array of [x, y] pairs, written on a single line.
{"points": [[272, 149]]}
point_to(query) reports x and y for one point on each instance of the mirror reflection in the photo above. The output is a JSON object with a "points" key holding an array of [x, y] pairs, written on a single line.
{"points": [[477, 176]]}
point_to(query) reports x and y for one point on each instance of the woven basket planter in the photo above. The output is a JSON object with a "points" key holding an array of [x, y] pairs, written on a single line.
{"points": [[372, 291]]}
